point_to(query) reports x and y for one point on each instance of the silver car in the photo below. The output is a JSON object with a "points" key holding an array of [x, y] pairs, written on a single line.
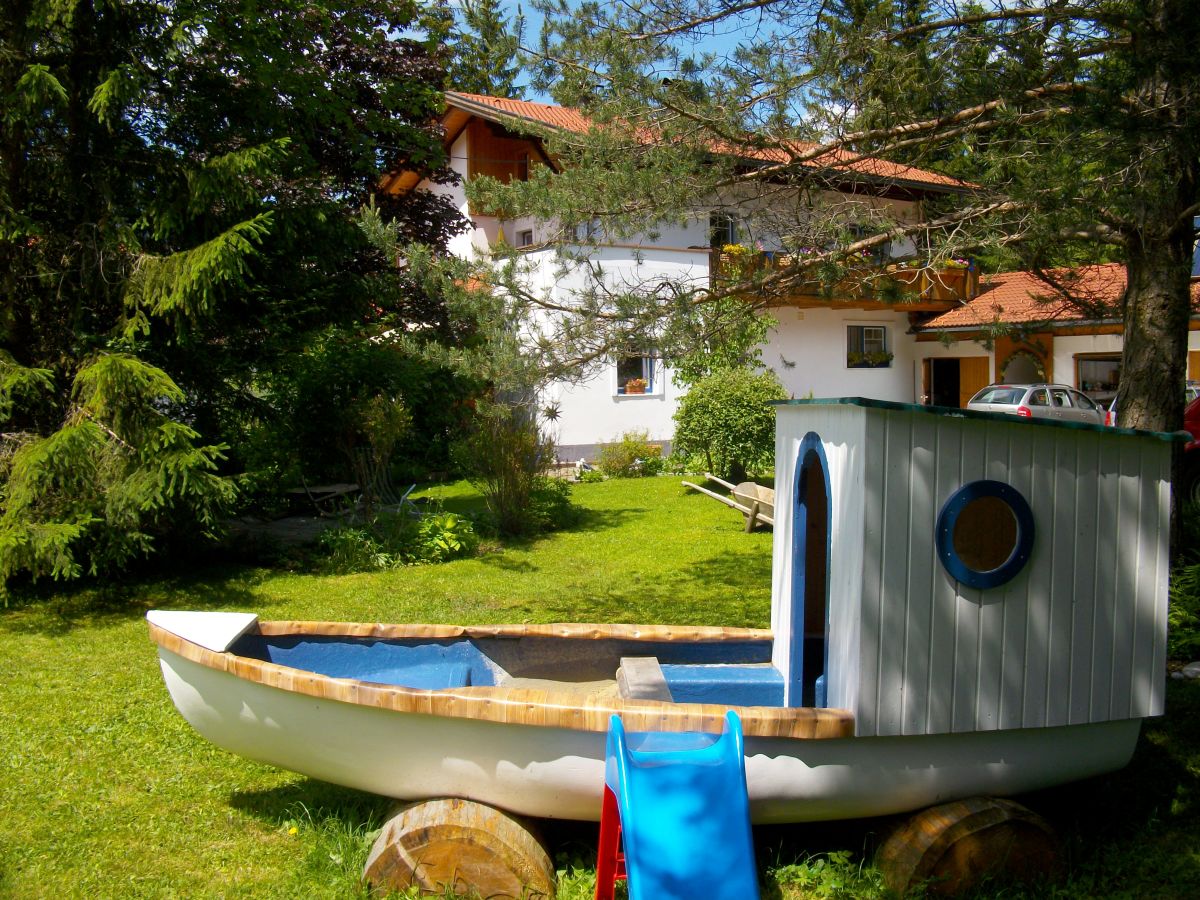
{"points": [[1039, 401]]}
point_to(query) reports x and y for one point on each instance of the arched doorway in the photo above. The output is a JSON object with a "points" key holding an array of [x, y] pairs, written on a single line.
{"points": [[810, 575], [1023, 368]]}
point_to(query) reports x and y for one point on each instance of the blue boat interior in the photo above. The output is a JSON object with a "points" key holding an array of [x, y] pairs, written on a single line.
{"points": [[428, 665], [736, 673], [733, 673]]}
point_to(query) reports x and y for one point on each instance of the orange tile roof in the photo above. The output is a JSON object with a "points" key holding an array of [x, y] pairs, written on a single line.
{"points": [[1015, 298], [539, 113], [569, 119]]}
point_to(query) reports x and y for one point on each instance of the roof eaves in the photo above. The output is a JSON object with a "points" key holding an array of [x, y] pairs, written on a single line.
{"points": [[495, 114]]}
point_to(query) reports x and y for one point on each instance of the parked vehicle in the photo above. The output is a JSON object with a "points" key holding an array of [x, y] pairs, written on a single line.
{"points": [[1189, 479], [1191, 392], [1039, 401]]}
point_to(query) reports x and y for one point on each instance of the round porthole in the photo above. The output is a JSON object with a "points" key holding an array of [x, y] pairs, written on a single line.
{"points": [[985, 534]]}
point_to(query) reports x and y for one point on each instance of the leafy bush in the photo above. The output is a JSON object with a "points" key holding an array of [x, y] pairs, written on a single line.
{"points": [[725, 419], [552, 509], [1183, 616], [633, 456], [393, 540], [346, 403], [506, 457]]}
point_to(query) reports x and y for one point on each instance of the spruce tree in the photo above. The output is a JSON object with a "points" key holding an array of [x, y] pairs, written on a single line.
{"points": [[180, 188], [1076, 124]]}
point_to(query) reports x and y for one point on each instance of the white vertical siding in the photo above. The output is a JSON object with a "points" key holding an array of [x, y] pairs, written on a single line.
{"points": [[1079, 635], [844, 439]]}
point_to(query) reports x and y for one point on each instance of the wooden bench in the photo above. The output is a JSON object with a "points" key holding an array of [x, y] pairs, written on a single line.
{"points": [[327, 498]]}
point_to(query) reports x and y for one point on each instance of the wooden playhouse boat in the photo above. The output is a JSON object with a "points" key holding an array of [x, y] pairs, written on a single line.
{"points": [[962, 604]]}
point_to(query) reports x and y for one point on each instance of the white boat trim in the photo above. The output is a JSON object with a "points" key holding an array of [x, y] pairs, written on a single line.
{"points": [[216, 631]]}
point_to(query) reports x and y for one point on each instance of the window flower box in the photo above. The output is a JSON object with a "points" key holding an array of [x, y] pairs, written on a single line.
{"points": [[879, 359], [635, 386]]}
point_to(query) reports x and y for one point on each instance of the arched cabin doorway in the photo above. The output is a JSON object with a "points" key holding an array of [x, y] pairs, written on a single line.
{"points": [[810, 575]]}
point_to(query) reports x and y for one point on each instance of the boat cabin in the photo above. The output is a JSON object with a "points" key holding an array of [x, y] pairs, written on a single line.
{"points": [[941, 571]]}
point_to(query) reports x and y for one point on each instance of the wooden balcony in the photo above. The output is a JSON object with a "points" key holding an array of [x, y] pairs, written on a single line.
{"points": [[862, 286]]}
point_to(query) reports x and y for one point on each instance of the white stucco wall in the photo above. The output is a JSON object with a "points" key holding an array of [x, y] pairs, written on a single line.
{"points": [[592, 412], [807, 350]]}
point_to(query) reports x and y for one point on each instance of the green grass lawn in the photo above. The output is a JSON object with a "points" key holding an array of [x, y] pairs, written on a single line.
{"points": [[106, 792]]}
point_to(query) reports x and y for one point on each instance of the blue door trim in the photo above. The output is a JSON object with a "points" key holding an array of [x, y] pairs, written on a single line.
{"points": [[811, 462]]}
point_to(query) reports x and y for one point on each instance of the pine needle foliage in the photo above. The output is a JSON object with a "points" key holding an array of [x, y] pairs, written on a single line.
{"points": [[1074, 128], [95, 493], [187, 284], [179, 194]]}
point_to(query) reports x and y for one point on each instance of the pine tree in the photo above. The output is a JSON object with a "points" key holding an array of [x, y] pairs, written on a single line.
{"points": [[1078, 125], [179, 196]]}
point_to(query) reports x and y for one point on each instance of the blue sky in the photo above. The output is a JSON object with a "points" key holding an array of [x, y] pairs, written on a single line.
{"points": [[723, 40]]}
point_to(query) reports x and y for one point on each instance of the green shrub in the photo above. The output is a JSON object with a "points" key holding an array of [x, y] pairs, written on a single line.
{"points": [[392, 540], [552, 509], [633, 456], [725, 420], [1183, 615], [506, 457]]}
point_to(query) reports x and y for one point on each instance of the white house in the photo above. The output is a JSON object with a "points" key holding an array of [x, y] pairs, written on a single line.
{"points": [[855, 343]]}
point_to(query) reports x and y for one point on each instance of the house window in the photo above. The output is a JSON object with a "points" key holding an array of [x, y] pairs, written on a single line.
{"points": [[525, 238], [1098, 375], [587, 231], [867, 347], [723, 229], [635, 375]]}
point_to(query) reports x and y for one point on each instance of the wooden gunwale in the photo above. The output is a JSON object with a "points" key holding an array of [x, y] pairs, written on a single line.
{"points": [[518, 706]]}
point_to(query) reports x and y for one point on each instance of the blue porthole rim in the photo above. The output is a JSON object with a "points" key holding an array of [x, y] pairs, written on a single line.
{"points": [[1022, 546]]}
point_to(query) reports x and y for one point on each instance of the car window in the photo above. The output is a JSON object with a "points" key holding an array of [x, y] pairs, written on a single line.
{"points": [[1061, 398], [1006, 395], [1083, 401], [1039, 398]]}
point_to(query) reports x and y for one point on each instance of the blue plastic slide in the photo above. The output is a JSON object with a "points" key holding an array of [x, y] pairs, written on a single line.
{"points": [[684, 813]]}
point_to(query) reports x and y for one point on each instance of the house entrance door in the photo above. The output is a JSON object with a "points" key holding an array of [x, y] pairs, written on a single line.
{"points": [[956, 380]]}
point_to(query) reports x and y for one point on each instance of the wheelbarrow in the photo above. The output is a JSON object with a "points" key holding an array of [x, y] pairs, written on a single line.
{"points": [[755, 502]]}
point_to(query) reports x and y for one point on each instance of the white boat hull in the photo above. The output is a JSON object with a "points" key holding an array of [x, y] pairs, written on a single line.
{"points": [[556, 772]]}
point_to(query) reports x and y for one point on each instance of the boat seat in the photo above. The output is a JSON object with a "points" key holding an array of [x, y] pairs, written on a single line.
{"points": [[641, 678], [726, 684]]}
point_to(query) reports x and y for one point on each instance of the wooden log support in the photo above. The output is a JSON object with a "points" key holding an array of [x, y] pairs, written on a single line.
{"points": [[752, 516], [951, 848], [460, 846]]}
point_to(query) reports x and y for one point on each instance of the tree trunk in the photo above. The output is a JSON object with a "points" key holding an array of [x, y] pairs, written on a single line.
{"points": [[1157, 305]]}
